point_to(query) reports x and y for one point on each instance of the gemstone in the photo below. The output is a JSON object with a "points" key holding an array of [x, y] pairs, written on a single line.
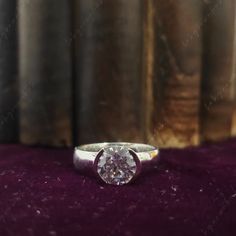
{"points": [[116, 165]]}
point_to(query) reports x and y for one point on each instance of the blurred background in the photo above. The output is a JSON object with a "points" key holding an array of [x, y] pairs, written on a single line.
{"points": [[81, 71]]}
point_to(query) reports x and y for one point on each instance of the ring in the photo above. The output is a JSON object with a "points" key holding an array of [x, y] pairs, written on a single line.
{"points": [[115, 163]]}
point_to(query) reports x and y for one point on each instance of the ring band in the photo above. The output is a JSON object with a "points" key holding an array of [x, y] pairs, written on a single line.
{"points": [[115, 163]]}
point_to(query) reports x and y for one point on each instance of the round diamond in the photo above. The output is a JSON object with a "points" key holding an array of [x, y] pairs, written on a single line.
{"points": [[116, 165]]}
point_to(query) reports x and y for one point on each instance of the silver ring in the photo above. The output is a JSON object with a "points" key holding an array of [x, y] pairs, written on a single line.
{"points": [[115, 163]]}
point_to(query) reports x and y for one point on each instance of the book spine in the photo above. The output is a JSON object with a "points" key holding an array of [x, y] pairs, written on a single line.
{"points": [[175, 72], [148, 66], [45, 72], [8, 72], [218, 70], [108, 39]]}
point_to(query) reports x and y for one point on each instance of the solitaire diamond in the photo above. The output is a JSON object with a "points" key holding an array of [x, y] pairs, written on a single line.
{"points": [[116, 165]]}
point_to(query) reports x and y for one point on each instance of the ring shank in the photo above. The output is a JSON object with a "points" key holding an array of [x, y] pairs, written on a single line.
{"points": [[137, 147], [85, 155]]}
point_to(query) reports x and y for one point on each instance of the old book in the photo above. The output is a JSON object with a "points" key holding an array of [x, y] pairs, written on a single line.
{"points": [[108, 38], [8, 72], [45, 72], [218, 70], [173, 71]]}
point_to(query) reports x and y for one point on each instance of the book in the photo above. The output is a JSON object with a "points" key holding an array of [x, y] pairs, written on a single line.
{"points": [[45, 71], [108, 62], [8, 72], [173, 54], [218, 70]]}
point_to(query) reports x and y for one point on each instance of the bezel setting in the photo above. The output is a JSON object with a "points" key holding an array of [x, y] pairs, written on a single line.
{"points": [[117, 165]]}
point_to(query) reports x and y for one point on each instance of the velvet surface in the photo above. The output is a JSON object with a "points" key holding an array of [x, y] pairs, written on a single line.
{"points": [[190, 192]]}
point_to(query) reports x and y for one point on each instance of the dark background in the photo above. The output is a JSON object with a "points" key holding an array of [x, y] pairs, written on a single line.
{"points": [[82, 71]]}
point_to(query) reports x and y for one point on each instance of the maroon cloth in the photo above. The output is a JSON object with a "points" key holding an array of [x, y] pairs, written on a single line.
{"points": [[191, 192]]}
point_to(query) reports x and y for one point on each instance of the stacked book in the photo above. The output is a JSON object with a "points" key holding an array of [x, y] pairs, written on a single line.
{"points": [[157, 71]]}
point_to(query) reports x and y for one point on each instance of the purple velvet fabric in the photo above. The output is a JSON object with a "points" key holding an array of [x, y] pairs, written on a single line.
{"points": [[190, 192]]}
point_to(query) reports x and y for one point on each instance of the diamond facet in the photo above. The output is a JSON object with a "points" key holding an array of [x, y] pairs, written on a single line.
{"points": [[116, 165]]}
